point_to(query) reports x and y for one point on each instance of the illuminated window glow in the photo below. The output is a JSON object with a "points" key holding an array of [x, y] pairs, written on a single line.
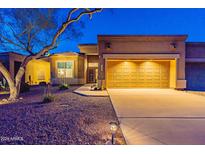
{"points": [[65, 69]]}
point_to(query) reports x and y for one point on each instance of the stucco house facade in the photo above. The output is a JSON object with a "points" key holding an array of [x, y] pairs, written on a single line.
{"points": [[142, 61], [126, 61]]}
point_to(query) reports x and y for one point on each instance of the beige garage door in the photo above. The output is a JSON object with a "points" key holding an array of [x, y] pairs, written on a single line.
{"points": [[137, 74]]}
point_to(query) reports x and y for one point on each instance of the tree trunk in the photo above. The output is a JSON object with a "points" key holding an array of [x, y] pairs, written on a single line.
{"points": [[13, 93], [14, 85], [10, 81], [18, 79]]}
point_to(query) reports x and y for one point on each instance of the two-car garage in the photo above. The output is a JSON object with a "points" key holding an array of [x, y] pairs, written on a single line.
{"points": [[140, 73], [142, 61]]}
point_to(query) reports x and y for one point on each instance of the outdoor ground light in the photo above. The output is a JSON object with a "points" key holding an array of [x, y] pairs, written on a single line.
{"points": [[113, 128]]}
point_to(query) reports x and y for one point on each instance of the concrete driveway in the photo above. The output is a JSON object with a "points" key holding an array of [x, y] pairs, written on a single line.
{"points": [[160, 116]]}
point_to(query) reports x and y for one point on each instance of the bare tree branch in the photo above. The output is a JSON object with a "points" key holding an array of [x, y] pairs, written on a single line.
{"points": [[59, 32], [12, 42], [31, 22]]}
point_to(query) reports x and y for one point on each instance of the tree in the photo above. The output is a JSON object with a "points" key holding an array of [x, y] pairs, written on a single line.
{"points": [[30, 31]]}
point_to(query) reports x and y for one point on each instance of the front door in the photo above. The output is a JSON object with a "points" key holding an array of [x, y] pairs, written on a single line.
{"points": [[92, 75]]}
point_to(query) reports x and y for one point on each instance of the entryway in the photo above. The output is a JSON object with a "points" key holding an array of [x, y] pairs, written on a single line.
{"points": [[92, 75]]}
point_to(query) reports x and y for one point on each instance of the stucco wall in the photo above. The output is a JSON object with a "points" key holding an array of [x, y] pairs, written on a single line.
{"points": [[124, 46], [195, 75], [54, 59], [80, 66], [33, 68], [195, 50], [93, 58], [78, 77], [195, 65]]}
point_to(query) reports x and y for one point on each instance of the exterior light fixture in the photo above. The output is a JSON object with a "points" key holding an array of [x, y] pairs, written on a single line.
{"points": [[173, 45], [107, 45], [113, 127]]}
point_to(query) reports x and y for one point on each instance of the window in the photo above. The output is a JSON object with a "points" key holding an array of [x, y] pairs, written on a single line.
{"points": [[65, 69], [41, 75]]}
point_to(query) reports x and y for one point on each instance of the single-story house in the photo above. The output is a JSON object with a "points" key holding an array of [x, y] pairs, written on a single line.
{"points": [[126, 61], [12, 62]]}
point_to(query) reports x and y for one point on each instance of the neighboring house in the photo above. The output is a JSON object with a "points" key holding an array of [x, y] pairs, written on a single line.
{"points": [[126, 61], [65, 68], [12, 61], [195, 65], [37, 71]]}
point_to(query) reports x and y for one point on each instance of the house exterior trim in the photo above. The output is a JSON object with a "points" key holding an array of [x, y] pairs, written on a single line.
{"points": [[141, 56], [199, 60]]}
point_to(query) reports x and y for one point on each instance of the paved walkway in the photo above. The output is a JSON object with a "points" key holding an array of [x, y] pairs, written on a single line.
{"points": [[85, 90], [160, 116]]}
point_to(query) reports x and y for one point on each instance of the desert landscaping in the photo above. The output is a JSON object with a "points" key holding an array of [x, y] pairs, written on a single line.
{"points": [[69, 119]]}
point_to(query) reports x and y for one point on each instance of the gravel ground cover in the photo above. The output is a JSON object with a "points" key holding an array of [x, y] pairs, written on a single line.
{"points": [[70, 119]]}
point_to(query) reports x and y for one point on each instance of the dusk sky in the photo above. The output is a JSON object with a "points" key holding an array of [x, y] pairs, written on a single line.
{"points": [[142, 21], [137, 22]]}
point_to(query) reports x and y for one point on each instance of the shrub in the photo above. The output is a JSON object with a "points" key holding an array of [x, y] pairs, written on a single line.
{"points": [[63, 86], [95, 87], [25, 87], [48, 99]]}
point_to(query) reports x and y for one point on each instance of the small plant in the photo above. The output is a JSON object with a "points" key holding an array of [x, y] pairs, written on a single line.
{"points": [[63, 86], [48, 99], [95, 87]]}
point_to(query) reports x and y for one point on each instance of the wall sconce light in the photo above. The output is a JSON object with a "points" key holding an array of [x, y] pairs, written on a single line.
{"points": [[173, 45], [107, 45], [113, 127]]}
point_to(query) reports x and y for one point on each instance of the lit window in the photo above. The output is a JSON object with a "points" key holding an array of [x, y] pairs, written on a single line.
{"points": [[41, 75], [65, 69]]}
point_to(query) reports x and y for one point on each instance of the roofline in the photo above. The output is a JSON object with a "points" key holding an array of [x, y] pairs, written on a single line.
{"points": [[88, 44], [76, 53], [146, 38], [195, 42], [141, 35], [8, 52]]}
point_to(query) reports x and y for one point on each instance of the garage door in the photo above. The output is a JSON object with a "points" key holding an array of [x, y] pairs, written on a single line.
{"points": [[137, 74], [195, 76]]}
